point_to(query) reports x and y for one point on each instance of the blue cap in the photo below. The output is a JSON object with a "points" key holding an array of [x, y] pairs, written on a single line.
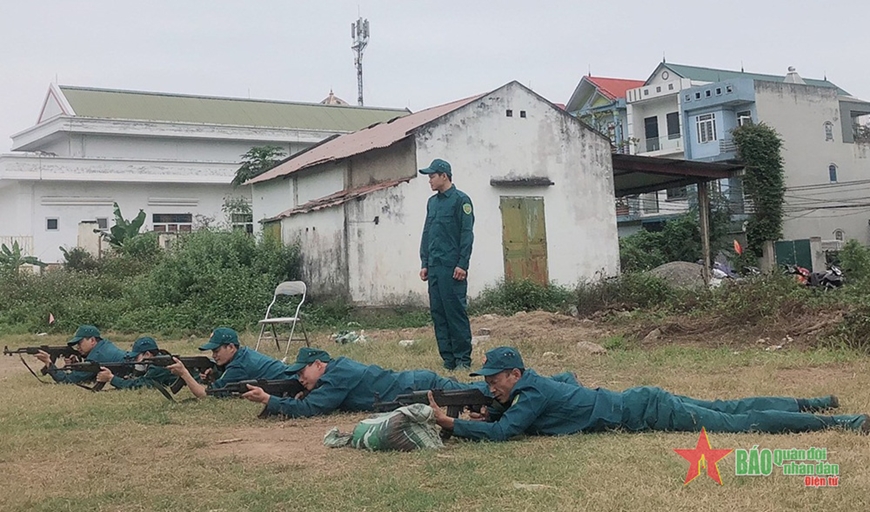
{"points": [[498, 360], [144, 344], [221, 336], [438, 165], [84, 331], [306, 356]]}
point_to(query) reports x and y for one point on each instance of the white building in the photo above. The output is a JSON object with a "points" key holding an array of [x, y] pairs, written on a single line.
{"points": [[168, 154], [541, 183]]}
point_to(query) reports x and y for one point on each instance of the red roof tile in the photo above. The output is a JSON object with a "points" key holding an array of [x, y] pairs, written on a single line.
{"points": [[614, 88]]}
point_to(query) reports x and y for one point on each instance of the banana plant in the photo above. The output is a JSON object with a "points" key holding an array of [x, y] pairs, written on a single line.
{"points": [[11, 259], [124, 229]]}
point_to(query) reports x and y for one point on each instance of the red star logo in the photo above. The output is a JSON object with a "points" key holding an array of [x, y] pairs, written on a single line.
{"points": [[701, 456]]}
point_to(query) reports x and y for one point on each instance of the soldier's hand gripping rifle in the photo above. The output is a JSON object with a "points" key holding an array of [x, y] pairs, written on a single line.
{"points": [[454, 400], [195, 365], [122, 369], [283, 388], [53, 351]]}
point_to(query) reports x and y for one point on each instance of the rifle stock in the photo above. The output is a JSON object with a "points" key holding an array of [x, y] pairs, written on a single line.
{"points": [[282, 388]]}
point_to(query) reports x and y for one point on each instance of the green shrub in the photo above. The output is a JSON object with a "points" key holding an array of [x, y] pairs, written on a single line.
{"points": [[631, 290], [509, 297]]}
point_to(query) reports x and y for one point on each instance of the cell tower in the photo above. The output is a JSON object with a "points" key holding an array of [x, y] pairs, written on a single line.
{"points": [[359, 32]]}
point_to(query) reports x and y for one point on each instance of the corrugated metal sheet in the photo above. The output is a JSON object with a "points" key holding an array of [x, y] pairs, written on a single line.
{"points": [[337, 198], [378, 136], [147, 106]]}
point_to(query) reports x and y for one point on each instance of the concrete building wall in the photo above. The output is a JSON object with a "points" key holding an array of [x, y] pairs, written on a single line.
{"points": [[799, 114], [394, 162], [321, 234]]}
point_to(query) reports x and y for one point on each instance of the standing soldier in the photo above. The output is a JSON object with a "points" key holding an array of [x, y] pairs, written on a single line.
{"points": [[445, 251]]}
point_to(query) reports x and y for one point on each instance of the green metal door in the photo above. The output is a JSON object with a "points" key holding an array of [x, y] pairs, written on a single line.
{"points": [[794, 252], [272, 230], [524, 239]]}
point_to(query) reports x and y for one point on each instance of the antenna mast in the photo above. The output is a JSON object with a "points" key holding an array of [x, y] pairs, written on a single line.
{"points": [[359, 32]]}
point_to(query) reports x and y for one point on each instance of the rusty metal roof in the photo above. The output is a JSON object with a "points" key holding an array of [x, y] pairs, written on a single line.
{"points": [[636, 174], [376, 136], [337, 198]]}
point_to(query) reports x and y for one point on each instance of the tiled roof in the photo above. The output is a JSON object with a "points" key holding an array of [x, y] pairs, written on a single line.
{"points": [[377, 136], [150, 106], [701, 74], [614, 88], [337, 198]]}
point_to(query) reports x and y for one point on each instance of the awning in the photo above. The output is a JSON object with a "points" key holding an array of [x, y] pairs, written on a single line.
{"points": [[634, 174]]}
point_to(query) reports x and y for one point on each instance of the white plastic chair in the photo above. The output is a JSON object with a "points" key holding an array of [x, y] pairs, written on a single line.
{"points": [[287, 288]]}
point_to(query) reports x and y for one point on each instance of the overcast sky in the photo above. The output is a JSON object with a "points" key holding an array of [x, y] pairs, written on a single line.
{"points": [[421, 53]]}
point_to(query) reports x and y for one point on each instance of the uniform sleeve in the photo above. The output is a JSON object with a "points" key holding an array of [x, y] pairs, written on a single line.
{"points": [[63, 377], [424, 241], [526, 408], [321, 401], [154, 374], [466, 232], [232, 374]]}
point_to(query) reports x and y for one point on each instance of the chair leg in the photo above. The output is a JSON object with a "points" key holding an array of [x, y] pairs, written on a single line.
{"points": [[260, 337], [304, 333], [275, 335]]}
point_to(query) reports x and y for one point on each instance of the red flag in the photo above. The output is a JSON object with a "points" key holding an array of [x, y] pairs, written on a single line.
{"points": [[737, 248], [50, 319]]}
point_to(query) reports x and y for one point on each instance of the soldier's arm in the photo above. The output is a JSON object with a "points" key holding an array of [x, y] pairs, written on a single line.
{"points": [[320, 401], [466, 233], [424, 241], [527, 407]]}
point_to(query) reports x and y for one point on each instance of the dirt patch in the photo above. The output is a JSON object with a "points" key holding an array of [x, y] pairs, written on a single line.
{"points": [[296, 441]]}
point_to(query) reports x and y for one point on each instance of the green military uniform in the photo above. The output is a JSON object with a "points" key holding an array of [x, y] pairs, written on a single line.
{"points": [[154, 375], [540, 406], [103, 352], [247, 364], [445, 245]]}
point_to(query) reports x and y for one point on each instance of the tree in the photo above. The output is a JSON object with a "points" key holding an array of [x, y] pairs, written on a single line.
{"points": [[11, 258], [758, 146], [123, 230], [257, 161]]}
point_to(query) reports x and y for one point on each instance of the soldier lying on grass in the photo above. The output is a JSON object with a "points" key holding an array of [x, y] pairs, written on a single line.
{"points": [[343, 384], [540, 406]]}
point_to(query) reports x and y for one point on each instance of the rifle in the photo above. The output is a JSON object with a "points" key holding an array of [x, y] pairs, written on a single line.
{"points": [[198, 364], [455, 400], [54, 351], [121, 369], [281, 388]]}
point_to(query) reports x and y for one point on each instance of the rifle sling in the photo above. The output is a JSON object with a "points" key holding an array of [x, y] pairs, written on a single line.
{"points": [[31, 370]]}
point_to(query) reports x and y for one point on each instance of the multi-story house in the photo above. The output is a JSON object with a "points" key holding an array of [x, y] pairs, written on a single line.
{"points": [[172, 155], [600, 103]]}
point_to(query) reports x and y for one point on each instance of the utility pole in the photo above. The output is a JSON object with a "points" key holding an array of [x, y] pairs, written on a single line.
{"points": [[359, 32]]}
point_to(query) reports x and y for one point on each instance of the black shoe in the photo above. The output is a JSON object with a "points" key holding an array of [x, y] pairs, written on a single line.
{"points": [[865, 427]]}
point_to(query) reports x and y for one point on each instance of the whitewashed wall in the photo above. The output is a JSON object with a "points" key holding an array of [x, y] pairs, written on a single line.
{"points": [[324, 255], [798, 113]]}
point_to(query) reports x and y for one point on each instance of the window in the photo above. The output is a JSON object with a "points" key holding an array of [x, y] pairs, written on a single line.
{"points": [[832, 173], [51, 224], [523, 114], [718, 91], [676, 194], [688, 97], [658, 88], [646, 92], [839, 234], [243, 222], [509, 113], [673, 125], [103, 223], [706, 125], [172, 222], [744, 118], [698, 95], [829, 130], [707, 93], [728, 89], [670, 87]]}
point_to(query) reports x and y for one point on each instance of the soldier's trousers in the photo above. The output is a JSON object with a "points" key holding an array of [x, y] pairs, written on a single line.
{"points": [[447, 304], [650, 408]]}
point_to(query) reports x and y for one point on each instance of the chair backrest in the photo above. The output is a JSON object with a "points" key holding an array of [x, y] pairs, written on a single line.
{"points": [[291, 288]]}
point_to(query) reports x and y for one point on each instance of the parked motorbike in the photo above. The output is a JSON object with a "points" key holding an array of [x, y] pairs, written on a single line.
{"points": [[830, 279]]}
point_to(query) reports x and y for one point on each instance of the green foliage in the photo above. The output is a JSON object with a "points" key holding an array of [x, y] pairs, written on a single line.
{"points": [[79, 260], [509, 297], [11, 259], [758, 146], [855, 261], [631, 290], [124, 230], [257, 161]]}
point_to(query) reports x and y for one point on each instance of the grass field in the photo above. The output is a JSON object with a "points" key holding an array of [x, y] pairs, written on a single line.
{"points": [[63, 448]]}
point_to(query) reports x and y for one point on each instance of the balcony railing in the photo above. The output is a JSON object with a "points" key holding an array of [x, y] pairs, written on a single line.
{"points": [[727, 146], [666, 143]]}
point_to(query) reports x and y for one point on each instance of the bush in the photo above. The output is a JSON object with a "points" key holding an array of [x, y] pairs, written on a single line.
{"points": [[509, 297], [631, 290]]}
